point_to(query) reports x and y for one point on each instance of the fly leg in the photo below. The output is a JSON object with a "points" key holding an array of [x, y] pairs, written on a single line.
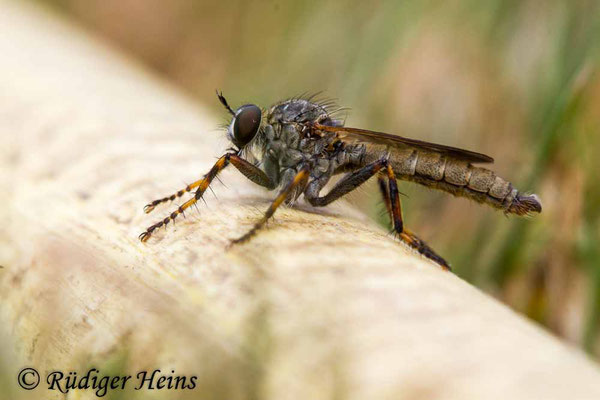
{"points": [[347, 184], [249, 170], [392, 201], [148, 208], [298, 181], [391, 197]]}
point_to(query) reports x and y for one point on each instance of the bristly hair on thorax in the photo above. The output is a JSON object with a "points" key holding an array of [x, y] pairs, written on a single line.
{"points": [[329, 104]]}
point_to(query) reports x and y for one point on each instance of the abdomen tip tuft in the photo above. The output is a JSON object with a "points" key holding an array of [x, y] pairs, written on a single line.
{"points": [[526, 204]]}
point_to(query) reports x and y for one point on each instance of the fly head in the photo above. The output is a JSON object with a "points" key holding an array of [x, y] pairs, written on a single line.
{"points": [[244, 124]]}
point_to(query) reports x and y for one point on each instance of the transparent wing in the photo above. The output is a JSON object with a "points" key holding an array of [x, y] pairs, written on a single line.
{"points": [[363, 135]]}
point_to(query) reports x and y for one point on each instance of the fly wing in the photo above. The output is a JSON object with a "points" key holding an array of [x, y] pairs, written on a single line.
{"points": [[363, 135]]}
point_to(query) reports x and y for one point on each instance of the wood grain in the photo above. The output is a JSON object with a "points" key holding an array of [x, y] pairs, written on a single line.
{"points": [[322, 304]]}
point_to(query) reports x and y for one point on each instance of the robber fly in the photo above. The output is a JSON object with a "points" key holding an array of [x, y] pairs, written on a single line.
{"points": [[297, 145]]}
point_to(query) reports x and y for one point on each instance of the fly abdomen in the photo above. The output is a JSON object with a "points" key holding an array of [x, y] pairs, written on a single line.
{"points": [[460, 178]]}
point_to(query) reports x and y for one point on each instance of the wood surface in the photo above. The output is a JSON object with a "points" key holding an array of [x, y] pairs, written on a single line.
{"points": [[321, 305]]}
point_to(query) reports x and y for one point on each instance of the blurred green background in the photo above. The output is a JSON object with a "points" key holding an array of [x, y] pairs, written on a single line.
{"points": [[517, 80]]}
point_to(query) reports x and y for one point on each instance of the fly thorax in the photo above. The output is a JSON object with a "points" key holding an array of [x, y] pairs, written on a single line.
{"points": [[323, 166], [274, 145], [290, 134], [354, 154], [269, 133], [297, 110], [291, 158]]}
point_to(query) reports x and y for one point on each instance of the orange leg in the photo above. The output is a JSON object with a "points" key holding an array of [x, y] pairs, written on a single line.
{"points": [[150, 206], [202, 185], [252, 172], [392, 200], [249, 170], [298, 181]]}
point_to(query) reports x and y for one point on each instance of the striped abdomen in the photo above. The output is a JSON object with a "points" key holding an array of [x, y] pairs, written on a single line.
{"points": [[460, 178]]}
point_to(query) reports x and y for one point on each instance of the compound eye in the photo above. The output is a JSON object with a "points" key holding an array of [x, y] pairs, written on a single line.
{"points": [[246, 123]]}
